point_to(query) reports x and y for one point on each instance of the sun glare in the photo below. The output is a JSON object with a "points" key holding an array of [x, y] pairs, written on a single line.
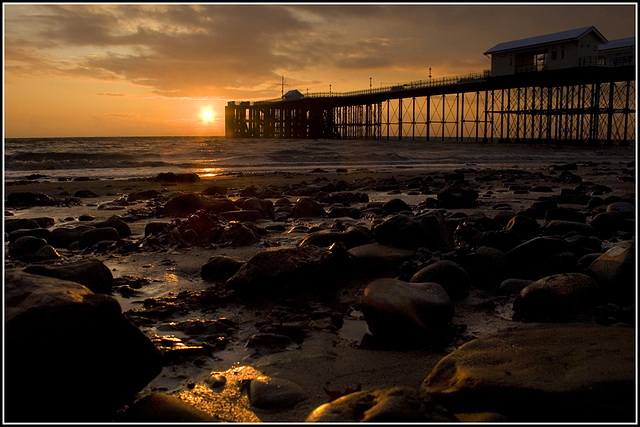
{"points": [[207, 115]]}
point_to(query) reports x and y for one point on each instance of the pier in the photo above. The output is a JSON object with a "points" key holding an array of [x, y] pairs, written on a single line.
{"points": [[586, 104]]}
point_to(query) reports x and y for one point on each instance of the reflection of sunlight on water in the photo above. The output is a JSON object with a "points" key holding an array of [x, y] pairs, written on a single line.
{"points": [[227, 401], [205, 172], [171, 279]]}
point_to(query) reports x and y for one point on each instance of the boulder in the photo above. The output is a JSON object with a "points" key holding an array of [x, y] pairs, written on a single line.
{"points": [[164, 408], [220, 268], [91, 273], [560, 227], [274, 393], [77, 344], [397, 310], [524, 260], [351, 237], [97, 235], [304, 268], [412, 232], [379, 260], [121, 227], [63, 237], [25, 247], [396, 404], [448, 274], [457, 195], [20, 224], [615, 272], [306, 207], [573, 373], [558, 297], [183, 205], [395, 206]]}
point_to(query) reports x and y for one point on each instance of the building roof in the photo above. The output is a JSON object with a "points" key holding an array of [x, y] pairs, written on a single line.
{"points": [[618, 44], [568, 35]]}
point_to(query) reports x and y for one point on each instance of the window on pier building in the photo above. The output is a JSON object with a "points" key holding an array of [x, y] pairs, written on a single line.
{"points": [[554, 54]]}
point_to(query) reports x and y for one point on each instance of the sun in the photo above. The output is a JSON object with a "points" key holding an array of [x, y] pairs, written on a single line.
{"points": [[207, 114]]}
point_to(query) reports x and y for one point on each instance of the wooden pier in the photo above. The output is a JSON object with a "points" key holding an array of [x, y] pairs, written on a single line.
{"points": [[587, 104]]}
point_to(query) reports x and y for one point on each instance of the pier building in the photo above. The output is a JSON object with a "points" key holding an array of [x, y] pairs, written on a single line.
{"points": [[585, 95]]}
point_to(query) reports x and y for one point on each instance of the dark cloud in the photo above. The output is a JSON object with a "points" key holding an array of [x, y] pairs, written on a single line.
{"points": [[235, 50]]}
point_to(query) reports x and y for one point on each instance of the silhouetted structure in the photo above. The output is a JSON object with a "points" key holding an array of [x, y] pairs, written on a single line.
{"points": [[582, 101]]}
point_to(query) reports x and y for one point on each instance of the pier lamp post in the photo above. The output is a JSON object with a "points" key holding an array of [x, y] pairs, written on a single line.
{"points": [[429, 72], [329, 89]]}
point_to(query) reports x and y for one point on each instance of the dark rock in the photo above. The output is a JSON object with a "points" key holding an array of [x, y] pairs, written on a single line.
{"points": [[560, 228], [144, 195], [242, 215], [395, 206], [183, 178], [237, 235], [396, 404], [397, 311], [557, 297], [25, 246], [215, 190], [63, 237], [85, 194], [269, 340], [264, 206], [220, 268], [41, 233], [91, 273], [412, 232], [572, 373], [379, 260], [565, 214], [626, 209], [164, 408], [457, 195], [301, 269], [89, 346], [183, 205], [352, 237], [155, 228], [306, 207], [513, 286], [609, 221], [28, 199], [524, 260], [274, 393], [448, 274], [45, 253], [615, 272], [523, 226], [20, 224], [96, 235], [121, 227]]}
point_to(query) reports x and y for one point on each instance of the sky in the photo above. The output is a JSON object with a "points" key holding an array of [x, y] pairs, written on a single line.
{"points": [[159, 69]]}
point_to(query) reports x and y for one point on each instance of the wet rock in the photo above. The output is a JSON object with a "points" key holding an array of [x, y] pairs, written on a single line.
{"points": [[609, 221], [559, 297], [63, 237], [242, 215], [448, 274], [155, 228], [351, 237], [523, 226], [560, 228], [524, 260], [395, 206], [380, 260], [305, 268], [237, 235], [183, 178], [96, 235], [565, 214], [615, 272], [396, 404], [13, 224], [121, 227], [559, 373], [412, 232], [41, 233], [269, 340], [274, 393], [457, 195], [45, 253], [91, 273], [513, 286], [264, 206], [25, 246], [397, 310], [89, 346], [220, 268], [626, 209], [215, 190], [144, 195], [28, 199], [85, 194], [183, 205], [164, 408], [307, 207]]}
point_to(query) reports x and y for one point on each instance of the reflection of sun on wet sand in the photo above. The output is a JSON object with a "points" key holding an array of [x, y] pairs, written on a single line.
{"points": [[292, 333]]}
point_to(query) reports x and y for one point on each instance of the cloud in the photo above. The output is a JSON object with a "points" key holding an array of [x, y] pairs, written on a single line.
{"points": [[240, 51]]}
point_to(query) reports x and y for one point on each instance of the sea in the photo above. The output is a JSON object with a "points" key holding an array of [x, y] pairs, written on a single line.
{"points": [[136, 157]]}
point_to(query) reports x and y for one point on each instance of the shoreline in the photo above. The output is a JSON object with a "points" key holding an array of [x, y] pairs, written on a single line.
{"points": [[329, 359]]}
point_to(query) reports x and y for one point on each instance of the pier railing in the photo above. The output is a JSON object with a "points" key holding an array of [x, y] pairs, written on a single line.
{"points": [[443, 81]]}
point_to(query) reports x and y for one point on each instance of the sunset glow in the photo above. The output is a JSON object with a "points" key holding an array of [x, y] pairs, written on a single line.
{"points": [[138, 69]]}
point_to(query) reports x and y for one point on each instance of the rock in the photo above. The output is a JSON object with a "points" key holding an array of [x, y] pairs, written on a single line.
{"points": [[264, 206], [25, 246], [268, 340], [84, 349], [396, 404], [28, 199], [183, 205], [155, 228], [45, 253], [237, 235], [96, 235], [513, 286], [274, 393], [395, 206], [615, 272], [164, 408], [184, 178], [85, 194], [13, 224], [608, 222], [448, 274], [523, 226], [559, 373], [305, 207], [560, 228], [63, 237], [457, 195], [91, 273], [242, 215], [352, 237], [397, 310], [565, 214], [121, 227], [524, 260], [215, 190], [274, 271], [412, 232], [220, 268], [144, 195], [379, 260], [626, 209], [559, 297]]}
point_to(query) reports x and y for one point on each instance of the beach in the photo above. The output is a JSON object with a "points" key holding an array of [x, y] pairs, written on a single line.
{"points": [[317, 345]]}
